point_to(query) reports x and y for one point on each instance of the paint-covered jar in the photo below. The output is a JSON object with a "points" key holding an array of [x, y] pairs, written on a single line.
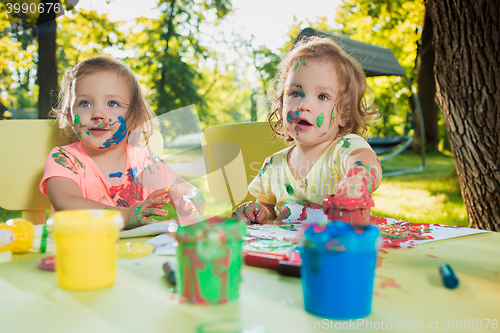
{"points": [[19, 236], [338, 269], [355, 211], [209, 260]]}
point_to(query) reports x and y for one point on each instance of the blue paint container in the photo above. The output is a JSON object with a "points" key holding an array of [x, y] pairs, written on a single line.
{"points": [[338, 269]]}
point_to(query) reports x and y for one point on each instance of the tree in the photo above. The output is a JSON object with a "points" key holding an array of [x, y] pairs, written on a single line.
{"points": [[466, 40], [396, 25], [169, 51], [16, 62], [45, 31]]}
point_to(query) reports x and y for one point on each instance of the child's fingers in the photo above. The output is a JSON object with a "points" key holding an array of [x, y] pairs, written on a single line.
{"points": [[158, 193], [158, 201], [158, 212]]}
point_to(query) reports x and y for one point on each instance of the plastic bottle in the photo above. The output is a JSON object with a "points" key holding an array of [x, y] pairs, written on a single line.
{"points": [[19, 236]]}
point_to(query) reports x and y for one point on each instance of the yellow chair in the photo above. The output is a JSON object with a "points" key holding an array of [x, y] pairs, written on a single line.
{"points": [[24, 146], [233, 156]]}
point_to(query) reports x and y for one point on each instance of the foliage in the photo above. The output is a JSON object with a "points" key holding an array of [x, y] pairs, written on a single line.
{"points": [[17, 54], [396, 25], [83, 34], [168, 51]]}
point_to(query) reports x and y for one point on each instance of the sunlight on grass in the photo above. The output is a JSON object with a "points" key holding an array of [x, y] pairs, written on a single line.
{"points": [[431, 196]]}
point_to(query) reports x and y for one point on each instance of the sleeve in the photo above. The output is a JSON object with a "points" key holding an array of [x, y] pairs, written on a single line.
{"points": [[345, 147], [260, 187], [61, 163]]}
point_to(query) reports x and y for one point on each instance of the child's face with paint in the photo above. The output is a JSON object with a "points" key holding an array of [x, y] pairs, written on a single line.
{"points": [[311, 90], [100, 103]]}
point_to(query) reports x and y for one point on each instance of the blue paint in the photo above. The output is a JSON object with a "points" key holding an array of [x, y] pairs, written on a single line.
{"points": [[119, 135], [301, 91], [115, 175]]}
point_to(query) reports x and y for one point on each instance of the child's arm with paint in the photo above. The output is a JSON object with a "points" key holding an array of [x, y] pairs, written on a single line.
{"points": [[65, 194], [363, 175], [187, 199]]}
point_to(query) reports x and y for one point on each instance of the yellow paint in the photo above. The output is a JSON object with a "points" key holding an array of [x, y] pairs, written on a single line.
{"points": [[86, 251]]}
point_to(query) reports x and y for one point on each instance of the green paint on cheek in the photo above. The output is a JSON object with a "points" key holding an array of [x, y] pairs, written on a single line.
{"points": [[79, 135], [319, 120], [332, 118], [77, 120], [289, 189]]}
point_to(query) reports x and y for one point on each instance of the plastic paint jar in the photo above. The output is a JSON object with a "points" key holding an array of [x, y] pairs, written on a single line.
{"points": [[355, 211], [86, 253], [338, 269], [209, 260], [19, 236]]}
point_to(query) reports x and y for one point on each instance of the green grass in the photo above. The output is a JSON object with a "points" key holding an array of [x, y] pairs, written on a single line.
{"points": [[431, 196]]}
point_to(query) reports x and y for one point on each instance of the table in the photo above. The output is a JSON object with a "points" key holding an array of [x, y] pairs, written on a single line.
{"points": [[408, 292]]}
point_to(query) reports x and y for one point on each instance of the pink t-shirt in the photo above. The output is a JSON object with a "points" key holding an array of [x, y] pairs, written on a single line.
{"points": [[144, 174]]}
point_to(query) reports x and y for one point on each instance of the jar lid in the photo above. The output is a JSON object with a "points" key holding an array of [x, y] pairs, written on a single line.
{"points": [[339, 237], [217, 228], [133, 250], [85, 220]]}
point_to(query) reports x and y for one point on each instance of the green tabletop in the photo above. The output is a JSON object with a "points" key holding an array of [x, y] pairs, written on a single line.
{"points": [[409, 295]]}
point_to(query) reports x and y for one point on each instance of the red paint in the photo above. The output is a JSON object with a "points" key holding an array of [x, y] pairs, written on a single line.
{"points": [[379, 261], [390, 283], [190, 271], [432, 256]]}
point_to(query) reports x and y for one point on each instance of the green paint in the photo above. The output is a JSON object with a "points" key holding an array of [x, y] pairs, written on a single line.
{"points": [[319, 120], [345, 142], [197, 198], [299, 63], [67, 160], [332, 119], [264, 167], [77, 120], [289, 189], [209, 260]]}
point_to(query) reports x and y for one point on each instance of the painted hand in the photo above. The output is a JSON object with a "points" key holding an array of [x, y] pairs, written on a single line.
{"points": [[187, 205], [140, 213], [252, 211], [358, 182]]}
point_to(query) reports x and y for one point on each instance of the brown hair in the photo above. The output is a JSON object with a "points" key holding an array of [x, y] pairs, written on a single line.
{"points": [[350, 103], [139, 114]]}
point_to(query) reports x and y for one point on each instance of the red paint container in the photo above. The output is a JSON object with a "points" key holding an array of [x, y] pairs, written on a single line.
{"points": [[355, 211]]}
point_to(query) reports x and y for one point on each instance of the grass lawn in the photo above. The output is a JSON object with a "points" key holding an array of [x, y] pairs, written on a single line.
{"points": [[431, 196]]}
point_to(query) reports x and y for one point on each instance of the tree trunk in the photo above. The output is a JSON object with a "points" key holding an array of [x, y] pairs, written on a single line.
{"points": [[467, 44], [47, 65], [427, 83]]}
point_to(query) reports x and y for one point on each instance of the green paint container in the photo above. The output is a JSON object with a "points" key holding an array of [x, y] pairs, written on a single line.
{"points": [[209, 260]]}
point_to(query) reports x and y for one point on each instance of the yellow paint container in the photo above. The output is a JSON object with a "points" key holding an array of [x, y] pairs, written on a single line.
{"points": [[85, 243]]}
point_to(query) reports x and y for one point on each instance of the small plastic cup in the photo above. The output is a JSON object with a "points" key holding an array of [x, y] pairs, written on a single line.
{"points": [[85, 243], [338, 270], [209, 260], [355, 211]]}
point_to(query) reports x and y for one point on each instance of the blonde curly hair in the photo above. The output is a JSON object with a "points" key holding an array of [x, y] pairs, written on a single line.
{"points": [[350, 104], [140, 117]]}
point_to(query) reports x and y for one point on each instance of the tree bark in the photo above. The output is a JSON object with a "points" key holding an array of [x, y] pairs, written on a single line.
{"points": [[427, 83], [467, 44], [47, 64]]}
